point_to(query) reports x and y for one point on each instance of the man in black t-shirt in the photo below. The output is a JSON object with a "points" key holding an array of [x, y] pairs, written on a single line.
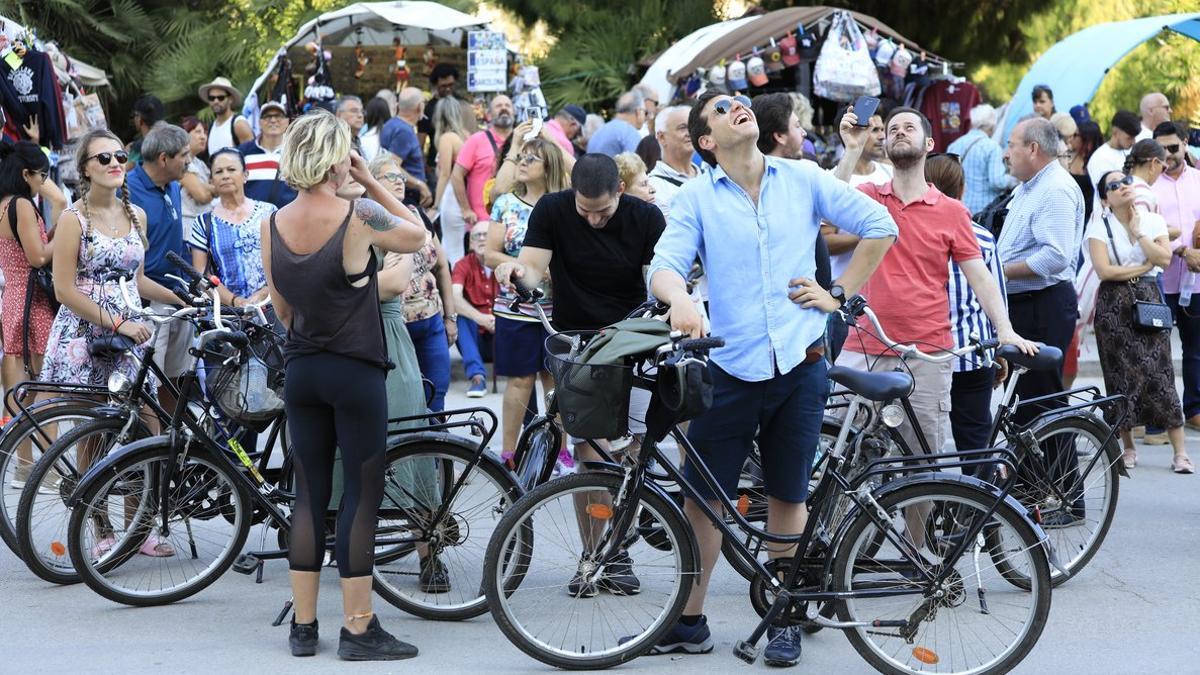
{"points": [[596, 243]]}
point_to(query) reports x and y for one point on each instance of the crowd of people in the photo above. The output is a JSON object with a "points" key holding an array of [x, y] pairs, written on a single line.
{"points": [[445, 212]]}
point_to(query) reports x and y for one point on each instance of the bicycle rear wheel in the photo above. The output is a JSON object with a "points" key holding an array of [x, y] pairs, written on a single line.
{"points": [[53, 420], [115, 537], [1077, 525], [973, 621], [419, 481], [565, 610], [42, 515]]}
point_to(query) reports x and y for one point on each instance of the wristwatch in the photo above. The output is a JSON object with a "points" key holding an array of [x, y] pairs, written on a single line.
{"points": [[838, 294]]}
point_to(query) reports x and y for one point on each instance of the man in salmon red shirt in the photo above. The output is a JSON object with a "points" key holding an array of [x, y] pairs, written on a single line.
{"points": [[908, 289], [474, 290]]}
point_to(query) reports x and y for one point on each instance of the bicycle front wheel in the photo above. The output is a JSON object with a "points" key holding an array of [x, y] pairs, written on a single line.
{"points": [[569, 608], [940, 614], [116, 537], [42, 514]]}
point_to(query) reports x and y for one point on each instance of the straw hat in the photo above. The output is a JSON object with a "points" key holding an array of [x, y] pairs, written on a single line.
{"points": [[221, 83]]}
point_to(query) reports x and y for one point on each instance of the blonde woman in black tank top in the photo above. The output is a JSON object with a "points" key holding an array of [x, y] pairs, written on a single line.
{"points": [[323, 284]]}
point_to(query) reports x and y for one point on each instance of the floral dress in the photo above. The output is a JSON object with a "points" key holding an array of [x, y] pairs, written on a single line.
{"points": [[68, 359], [12, 309]]}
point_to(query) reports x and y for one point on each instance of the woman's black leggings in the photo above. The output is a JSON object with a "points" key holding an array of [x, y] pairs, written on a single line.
{"points": [[335, 402]]}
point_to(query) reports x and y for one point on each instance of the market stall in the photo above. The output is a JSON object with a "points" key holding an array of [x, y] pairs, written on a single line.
{"points": [[370, 46], [826, 54]]}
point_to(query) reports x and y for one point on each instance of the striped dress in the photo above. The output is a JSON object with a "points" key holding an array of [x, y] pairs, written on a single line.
{"points": [[966, 314]]}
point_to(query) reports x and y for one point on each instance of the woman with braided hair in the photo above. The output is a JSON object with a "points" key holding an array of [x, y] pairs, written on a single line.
{"points": [[99, 234]]}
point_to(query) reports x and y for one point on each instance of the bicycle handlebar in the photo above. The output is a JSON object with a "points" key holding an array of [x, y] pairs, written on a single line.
{"points": [[857, 306], [701, 344]]}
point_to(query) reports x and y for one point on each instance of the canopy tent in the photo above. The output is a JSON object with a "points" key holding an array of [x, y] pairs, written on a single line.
{"points": [[709, 45], [377, 23], [1075, 67], [89, 76]]}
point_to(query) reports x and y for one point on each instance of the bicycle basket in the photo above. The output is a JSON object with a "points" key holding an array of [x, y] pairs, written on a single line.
{"points": [[247, 385], [592, 399]]}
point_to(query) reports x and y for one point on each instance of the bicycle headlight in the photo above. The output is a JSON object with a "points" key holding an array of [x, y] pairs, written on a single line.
{"points": [[118, 383], [892, 415]]}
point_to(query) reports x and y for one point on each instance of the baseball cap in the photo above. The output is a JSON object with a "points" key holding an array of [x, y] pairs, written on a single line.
{"points": [[576, 112], [272, 105], [788, 47], [1080, 113], [716, 75], [735, 74], [756, 71], [773, 58]]}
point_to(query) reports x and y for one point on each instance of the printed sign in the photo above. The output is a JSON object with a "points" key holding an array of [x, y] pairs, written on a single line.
{"points": [[487, 61]]}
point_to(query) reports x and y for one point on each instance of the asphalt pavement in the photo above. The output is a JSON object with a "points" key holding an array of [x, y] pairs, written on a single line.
{"points": [[1134, 609]]}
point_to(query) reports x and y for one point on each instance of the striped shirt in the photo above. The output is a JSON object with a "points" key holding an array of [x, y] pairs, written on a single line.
{"points": [[966, 314], [1043, 229], [263, 182]]}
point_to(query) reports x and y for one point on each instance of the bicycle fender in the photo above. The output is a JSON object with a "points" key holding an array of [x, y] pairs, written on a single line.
{"points": [[104, 466]]}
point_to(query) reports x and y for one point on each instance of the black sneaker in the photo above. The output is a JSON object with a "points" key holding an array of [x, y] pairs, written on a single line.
{"points": [[618, 577], [376, 644], [434, 577], [783, 646], [303, 638], [683, 638]]}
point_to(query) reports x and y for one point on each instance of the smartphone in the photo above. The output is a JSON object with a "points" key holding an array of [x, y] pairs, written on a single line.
{"points": [[864, 110]]}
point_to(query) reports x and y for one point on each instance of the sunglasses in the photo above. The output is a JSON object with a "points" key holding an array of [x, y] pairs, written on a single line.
{"points": [[105, 157], [726, 104], [394, 177], [1116, 184], [217, 98], [1172, 148], [528, 159]]}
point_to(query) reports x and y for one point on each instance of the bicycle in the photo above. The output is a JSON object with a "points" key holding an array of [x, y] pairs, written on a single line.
{"points": [[870, 558]]}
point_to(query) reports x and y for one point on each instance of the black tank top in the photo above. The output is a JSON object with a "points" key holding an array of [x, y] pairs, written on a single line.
{"points": [[329, 313]]}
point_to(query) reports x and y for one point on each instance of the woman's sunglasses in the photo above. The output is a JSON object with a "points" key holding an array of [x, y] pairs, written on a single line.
{"points": [[1116, 184], [726, 104], [105, 157], [528, 159]]}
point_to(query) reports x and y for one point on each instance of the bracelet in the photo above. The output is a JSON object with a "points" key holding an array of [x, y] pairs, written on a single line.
{"points": [[117, 325], [450, 317]]}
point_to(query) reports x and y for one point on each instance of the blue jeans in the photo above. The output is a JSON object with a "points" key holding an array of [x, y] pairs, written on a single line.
{"points": [[1187, 320], [468, 346], [433, 355]]}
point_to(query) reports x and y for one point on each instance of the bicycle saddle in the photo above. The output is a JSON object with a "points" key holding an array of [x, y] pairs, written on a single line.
{"points": [[873, 386], [1048, 358], [111, 345]]}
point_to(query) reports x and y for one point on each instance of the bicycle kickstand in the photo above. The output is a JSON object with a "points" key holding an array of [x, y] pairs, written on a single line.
{"points": [[747, 649], [287, 607]]}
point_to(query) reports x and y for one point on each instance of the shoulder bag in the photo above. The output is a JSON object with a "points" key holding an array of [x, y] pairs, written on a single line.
{"points": [[1148, 317]]}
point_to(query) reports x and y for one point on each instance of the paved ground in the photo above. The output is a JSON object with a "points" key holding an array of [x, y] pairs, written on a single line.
{"points": [[1129, 611]]}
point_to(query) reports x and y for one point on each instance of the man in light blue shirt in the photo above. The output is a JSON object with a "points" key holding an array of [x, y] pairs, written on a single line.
{"points": [[982, 160], [754, 221], [620, 134]]}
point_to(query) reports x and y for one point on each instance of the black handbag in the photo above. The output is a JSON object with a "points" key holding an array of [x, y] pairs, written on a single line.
{"points": [[1148, 317]]}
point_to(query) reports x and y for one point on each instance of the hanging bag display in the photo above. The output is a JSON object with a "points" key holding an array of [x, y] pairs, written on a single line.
{"points": [[844, 70]]}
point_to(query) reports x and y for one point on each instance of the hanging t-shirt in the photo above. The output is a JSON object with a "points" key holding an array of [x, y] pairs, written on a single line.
{"points": [[948, 107], [32, 89]]}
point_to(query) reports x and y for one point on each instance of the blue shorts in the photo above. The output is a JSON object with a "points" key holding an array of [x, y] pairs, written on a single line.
{"points": [[784, 412], [519, 347]]}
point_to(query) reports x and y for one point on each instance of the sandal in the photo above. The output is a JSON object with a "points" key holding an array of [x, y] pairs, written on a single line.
{"points": [[156, 547], [1182, 465], [103, 546], [1129, 459]]}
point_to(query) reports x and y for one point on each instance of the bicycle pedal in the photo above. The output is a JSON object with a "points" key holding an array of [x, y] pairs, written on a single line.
{"points": [[246, 563], [746, 651]]}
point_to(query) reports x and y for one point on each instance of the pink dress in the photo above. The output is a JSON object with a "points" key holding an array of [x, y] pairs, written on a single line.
{"points": [[12, 312]]}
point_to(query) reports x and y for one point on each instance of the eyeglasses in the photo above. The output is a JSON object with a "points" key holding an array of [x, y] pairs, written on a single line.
{"points": [[1172, 148], [1116, 184], [217, 98], [951, 155], [529, 159], [482, 236], [105, 157], [273, 118], [726, 104], [394, 177]]}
